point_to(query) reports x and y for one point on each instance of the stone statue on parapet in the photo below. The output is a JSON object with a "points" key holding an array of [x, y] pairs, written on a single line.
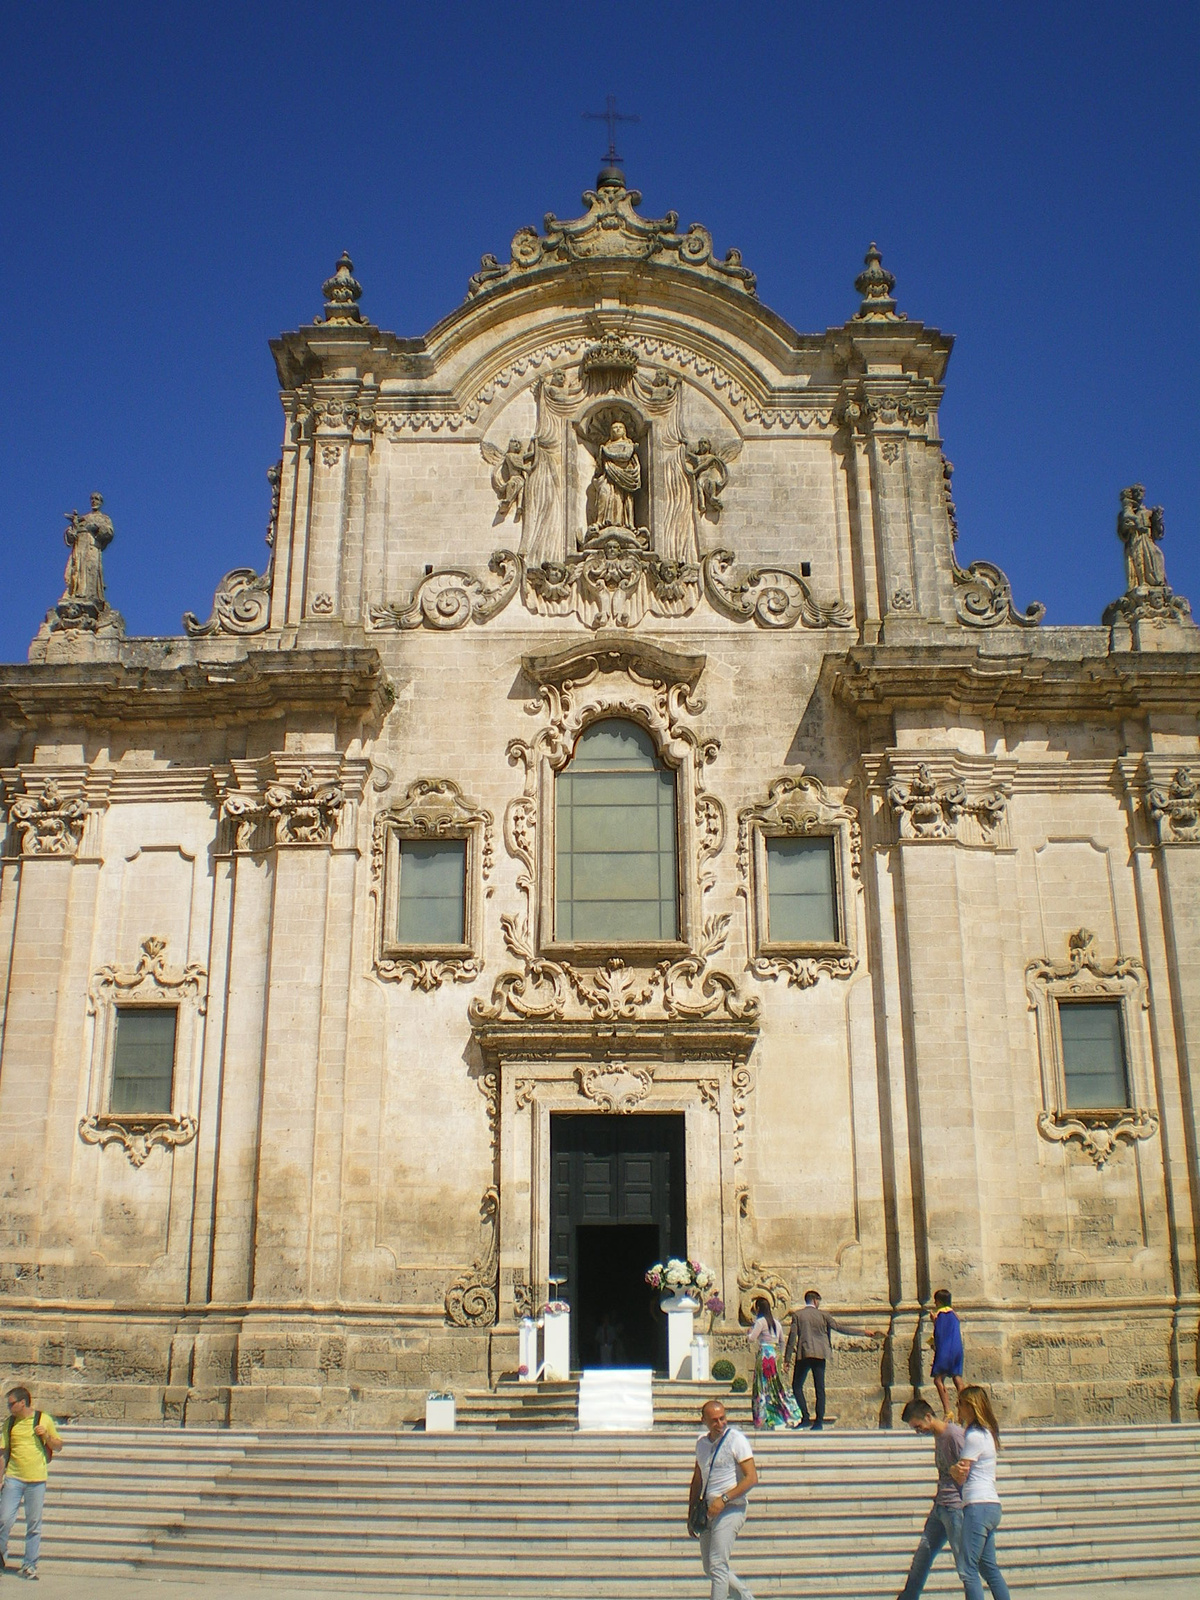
{"points": [[1148, 597], [84, 607]]}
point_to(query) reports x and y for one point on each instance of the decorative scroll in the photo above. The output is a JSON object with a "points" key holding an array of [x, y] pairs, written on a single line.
{"points": [[241, 605], [929, 810], [613, 582], [803, 972], [756, 1281], [1176, 811], [1100, 1138], [113, 982], [984, 599], [302, 812], [614, 1088], [138, 1135], [771, 596], [472, 1299], [48, 824]]}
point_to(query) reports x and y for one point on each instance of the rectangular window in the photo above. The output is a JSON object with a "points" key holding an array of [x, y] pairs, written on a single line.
{"points": [[144, 1059], [432, 892], [1093, 1055], [615, 873], [801, 891]]}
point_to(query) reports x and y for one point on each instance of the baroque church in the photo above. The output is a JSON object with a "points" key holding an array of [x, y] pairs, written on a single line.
{"points": [[614, 825]]}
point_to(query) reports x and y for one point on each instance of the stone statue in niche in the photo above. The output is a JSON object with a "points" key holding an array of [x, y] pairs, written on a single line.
{"points": [[617, 478], [88, 537], [1141, 530], [510, 470], [708, 470]]}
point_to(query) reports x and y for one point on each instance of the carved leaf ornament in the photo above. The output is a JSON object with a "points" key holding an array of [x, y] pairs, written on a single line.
{"points": [[48, 824], [472, 1299]]}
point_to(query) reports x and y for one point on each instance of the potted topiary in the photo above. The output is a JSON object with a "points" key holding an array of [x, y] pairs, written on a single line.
{"points": [[723, 1370]]}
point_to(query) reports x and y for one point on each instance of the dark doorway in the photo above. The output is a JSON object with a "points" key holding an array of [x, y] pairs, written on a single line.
{"points": [[617, 1205]]}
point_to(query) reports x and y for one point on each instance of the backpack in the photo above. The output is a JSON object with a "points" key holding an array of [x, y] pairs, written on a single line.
{"points": [[6, 1436]]}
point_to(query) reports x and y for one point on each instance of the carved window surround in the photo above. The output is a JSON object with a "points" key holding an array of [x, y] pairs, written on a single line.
{"points": [[656, 689], [699, 1069], [151, 981], [799, 807], [1084, 976], [432, 808]]}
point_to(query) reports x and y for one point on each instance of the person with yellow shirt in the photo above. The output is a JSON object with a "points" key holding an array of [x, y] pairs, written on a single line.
{"points": [[30, 1441]]}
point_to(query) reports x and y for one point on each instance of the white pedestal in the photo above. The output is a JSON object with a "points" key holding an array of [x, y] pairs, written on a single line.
{"points": [[616, 1400], [527, 1348], [556, 1346], [699, 1352], [681, 1323], [439, 1414]]}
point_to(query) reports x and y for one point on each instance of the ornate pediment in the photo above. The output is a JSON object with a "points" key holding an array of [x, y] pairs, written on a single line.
{"points": [[612, 230]]}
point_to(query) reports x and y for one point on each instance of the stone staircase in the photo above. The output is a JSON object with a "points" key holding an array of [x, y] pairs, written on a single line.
{"points": [[513, 1405], [542, 1512]]}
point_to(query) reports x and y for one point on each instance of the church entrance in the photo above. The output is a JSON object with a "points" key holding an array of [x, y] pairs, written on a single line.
{"points": [[618, 1204]]}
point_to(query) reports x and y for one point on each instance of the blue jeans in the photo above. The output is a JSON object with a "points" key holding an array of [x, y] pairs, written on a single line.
{"points": [[12, 1492], [944, 1525], [980, 1522]]}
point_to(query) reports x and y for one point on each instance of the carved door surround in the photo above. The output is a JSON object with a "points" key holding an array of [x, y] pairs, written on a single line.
{"points": [[698, 1068]]}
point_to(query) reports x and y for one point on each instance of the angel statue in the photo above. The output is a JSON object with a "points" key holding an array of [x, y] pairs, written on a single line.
{"points": [[88, 537], [617, 478], [709, 473], [1141, 532], [510, 469]]}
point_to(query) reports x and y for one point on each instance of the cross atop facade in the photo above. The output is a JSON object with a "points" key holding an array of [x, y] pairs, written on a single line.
{"points": [[612, 116]]}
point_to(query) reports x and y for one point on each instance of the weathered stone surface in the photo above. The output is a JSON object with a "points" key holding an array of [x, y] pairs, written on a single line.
{"points": [[347, 1204]]}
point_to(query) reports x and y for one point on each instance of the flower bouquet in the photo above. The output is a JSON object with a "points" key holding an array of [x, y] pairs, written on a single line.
{"points": [[675, 1277]]}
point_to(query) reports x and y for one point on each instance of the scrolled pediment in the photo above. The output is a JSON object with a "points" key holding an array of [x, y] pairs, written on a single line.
{"points": [[609, 653]]}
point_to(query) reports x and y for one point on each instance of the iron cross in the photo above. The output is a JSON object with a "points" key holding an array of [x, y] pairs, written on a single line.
{"points": [[612, 116]]}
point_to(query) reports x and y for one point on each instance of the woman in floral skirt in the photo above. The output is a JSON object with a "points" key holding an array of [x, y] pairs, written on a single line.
{"points": [[774, 1405]]}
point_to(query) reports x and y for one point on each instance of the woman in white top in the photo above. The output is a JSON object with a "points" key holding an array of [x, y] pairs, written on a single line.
{"points": [[975, 1471], [774, 1405]]}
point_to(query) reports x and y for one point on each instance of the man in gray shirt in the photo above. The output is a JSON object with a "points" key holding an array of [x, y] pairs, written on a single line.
{"points": [[944, 1523]]}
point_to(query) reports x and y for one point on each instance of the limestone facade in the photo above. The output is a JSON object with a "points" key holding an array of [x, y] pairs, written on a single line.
{"points": [[610, 485]]}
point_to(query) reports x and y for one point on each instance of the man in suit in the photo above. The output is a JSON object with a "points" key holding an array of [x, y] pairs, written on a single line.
{"points": [[808, 1345]]}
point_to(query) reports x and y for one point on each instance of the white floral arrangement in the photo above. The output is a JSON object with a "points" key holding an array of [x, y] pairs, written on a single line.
{"points": [[682, 1277]]}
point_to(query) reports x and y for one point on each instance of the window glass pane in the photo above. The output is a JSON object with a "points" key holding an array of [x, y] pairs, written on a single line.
{"points": [[615, 874], [801, 897], [1093, 1055], [144, 1062], [433, 881]]}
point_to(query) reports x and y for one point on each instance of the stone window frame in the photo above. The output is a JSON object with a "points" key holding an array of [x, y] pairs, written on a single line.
{"points": [[151, 982], [1084, 976], [799, 807], [641, 952], [432, 809]]}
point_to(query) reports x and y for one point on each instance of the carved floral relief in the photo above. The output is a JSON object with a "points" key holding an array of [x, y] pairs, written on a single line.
{"points": [[48, 823], [928, 809]]}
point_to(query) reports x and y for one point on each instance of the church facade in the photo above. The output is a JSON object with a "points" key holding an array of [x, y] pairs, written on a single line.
{"points": [[613, 826]]}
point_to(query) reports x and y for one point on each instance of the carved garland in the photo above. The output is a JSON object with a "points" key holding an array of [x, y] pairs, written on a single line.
{"points": [[1175, 811], [48, 824], [432, 808], [1085, 976], [926, 809], [795, 807]]}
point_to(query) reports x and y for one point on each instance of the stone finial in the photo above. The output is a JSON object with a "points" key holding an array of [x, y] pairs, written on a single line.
{"points": [[876, 285], [342, 293]]}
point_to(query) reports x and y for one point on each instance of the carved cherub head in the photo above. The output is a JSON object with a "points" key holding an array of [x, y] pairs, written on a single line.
{"points": [[1134, 495], [704, 447], [515, 447]]}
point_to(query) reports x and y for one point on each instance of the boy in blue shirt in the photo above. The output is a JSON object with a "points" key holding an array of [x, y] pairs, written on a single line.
{"points": [[947, 1348]]}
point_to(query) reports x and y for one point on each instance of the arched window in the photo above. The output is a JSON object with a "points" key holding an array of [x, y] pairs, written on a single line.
{"points": [[616, 876]]}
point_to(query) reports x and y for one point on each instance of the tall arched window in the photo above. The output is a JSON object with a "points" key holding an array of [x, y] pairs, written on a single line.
{"points": [[616, 876]]}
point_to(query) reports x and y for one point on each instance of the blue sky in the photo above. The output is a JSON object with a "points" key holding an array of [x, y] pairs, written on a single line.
{"points": [[178, 180]]}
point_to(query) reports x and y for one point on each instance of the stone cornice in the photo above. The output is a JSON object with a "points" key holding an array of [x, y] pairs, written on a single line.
{"points": [[350, 681], [614, 653], [658, 1039], [875, 680]]}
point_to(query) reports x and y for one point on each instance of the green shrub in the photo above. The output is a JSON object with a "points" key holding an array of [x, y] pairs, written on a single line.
{"points": [[723, 1370], [738, 1386]]}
